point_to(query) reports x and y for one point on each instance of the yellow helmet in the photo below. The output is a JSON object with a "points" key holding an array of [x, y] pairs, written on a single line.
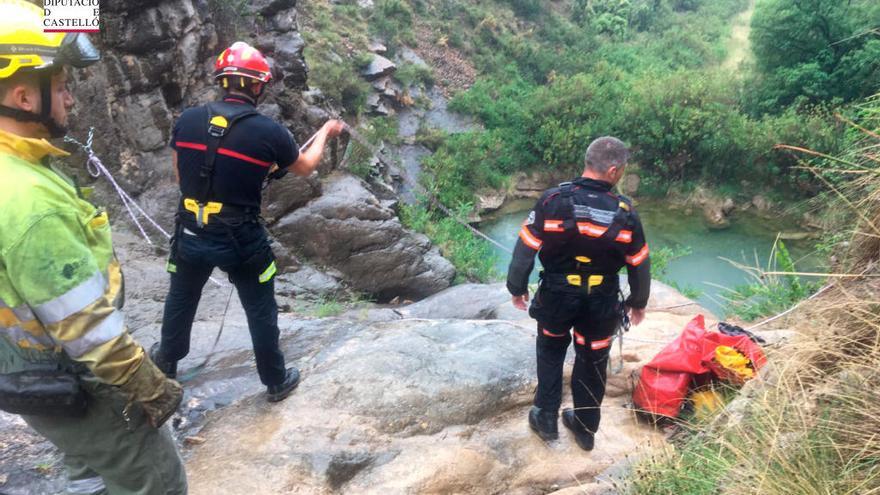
{"points": [[23, 44], [25, 47]]}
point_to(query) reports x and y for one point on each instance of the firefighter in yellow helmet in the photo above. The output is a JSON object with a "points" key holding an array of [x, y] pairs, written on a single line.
{"points": [[68, 365]]}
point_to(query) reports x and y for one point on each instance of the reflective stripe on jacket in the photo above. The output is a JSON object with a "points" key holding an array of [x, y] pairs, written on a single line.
{"points": [[60, 284]]}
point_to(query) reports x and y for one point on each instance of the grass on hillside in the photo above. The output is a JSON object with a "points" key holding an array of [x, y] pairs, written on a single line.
{"points": [[810, 424]]}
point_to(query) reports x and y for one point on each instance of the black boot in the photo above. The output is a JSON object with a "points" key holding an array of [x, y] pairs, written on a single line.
{"points": [[276, 393], [544, 423], [584, 438], [165, 366]]}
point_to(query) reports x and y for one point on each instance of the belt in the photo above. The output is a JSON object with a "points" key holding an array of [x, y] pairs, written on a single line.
{"points": [[584, 281], [201, 215]]}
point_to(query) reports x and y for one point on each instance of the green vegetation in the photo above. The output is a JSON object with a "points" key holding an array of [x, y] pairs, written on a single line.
{"points": [[809, 426], [336, 73], [359, 158], [473, 258], [814, 51], [770, 294], [646, 71], [415, 75]]}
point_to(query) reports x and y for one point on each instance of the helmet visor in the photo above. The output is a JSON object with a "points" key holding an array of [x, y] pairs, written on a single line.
{"points": [[77, 50]]}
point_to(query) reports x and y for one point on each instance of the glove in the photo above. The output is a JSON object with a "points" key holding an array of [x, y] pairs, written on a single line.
{"points": [[161, 408], [158, 395]]}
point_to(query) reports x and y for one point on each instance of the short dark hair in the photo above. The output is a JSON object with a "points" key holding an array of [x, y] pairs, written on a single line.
{"points": [[606, 152], [20, 77]]}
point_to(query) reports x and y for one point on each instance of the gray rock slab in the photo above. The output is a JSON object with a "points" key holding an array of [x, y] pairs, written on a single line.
{"points": [[347, 228], [466, 301], [379, 67]]}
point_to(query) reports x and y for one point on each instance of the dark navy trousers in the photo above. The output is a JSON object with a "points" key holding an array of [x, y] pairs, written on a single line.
{"points": [[244, 254], [591, 331]]}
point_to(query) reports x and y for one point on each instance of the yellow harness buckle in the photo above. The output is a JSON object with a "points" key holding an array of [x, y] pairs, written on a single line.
{"points": [[595, 281], [202, 212], [582, 259], [574, 280]]}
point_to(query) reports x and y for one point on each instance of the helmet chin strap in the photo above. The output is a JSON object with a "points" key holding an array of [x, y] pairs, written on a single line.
{"points": [[55, 129]]}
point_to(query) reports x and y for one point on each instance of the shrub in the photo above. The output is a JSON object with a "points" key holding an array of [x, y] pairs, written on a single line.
{"points": [[472, 257]]}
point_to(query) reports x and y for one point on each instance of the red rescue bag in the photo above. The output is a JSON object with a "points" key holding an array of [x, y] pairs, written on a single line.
{"points": [[664, 382]]}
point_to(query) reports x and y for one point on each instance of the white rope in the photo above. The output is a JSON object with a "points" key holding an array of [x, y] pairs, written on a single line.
{"points": [[96, 168], [789, 310]]}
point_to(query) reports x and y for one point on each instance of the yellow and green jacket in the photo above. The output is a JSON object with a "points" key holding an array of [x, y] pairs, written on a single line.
{"points": [[60, 283]]}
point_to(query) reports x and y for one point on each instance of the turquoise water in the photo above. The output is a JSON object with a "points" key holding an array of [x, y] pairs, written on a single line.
{"points": [[749, 241]]}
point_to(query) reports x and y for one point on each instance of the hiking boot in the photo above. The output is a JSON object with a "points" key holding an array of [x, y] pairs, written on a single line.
{"points": [[584, 438], [168, 367], [544, 423], [280, 392]]}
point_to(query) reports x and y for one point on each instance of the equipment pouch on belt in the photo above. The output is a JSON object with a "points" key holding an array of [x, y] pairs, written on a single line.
{"points": [[42, 393], [260, 265], [556, 305]]}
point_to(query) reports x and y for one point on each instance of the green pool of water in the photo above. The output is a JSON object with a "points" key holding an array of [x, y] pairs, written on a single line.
{"points": [[749, 240]]}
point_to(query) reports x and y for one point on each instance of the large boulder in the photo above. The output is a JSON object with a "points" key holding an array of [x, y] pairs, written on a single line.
{"points": [[410, 406], [347, 228], [466, 301], [287, 194]]}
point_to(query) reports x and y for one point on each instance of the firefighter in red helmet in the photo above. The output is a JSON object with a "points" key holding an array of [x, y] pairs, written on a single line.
{"points": [[223, 151]]}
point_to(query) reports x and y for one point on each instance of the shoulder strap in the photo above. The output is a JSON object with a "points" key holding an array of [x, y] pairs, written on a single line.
{"points": [[622, 218], [566, 192], [221, 117]]}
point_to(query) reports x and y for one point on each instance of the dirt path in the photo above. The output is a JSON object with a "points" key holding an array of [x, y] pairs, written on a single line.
{"points": [[738, 50]]}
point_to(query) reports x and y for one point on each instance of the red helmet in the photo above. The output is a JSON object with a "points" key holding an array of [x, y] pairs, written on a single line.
{"points": [[242, 59]]}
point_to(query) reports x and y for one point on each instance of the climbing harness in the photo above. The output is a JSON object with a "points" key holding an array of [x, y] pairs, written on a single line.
{"points": [[96, 169]]}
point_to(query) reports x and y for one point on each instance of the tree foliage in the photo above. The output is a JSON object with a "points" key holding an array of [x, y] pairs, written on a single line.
{"points": [[811, 51]]}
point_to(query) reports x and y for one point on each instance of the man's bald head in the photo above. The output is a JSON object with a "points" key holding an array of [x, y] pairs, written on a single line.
{"points": [[604, 153]]}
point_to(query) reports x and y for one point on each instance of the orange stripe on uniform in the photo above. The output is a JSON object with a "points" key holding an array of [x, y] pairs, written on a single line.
{"points": [[553, 226], [551, 334], [579, 339], [591, 229], [625, 236], [529, 239], [600, 344], [638, 258]]}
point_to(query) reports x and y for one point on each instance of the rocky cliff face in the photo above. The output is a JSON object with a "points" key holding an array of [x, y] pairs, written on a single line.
{"points": [[158, 58]]}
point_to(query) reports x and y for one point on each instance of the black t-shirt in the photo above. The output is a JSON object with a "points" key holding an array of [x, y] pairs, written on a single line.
{"points": [[243, 160]]}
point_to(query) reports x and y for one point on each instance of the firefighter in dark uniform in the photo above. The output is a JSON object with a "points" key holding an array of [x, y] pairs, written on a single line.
{"points": [[584, 234], [223, 152]]}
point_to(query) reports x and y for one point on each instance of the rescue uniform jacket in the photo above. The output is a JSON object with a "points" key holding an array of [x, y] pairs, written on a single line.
{"points": [[560, 231], [243, 160], [61, 287]]}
